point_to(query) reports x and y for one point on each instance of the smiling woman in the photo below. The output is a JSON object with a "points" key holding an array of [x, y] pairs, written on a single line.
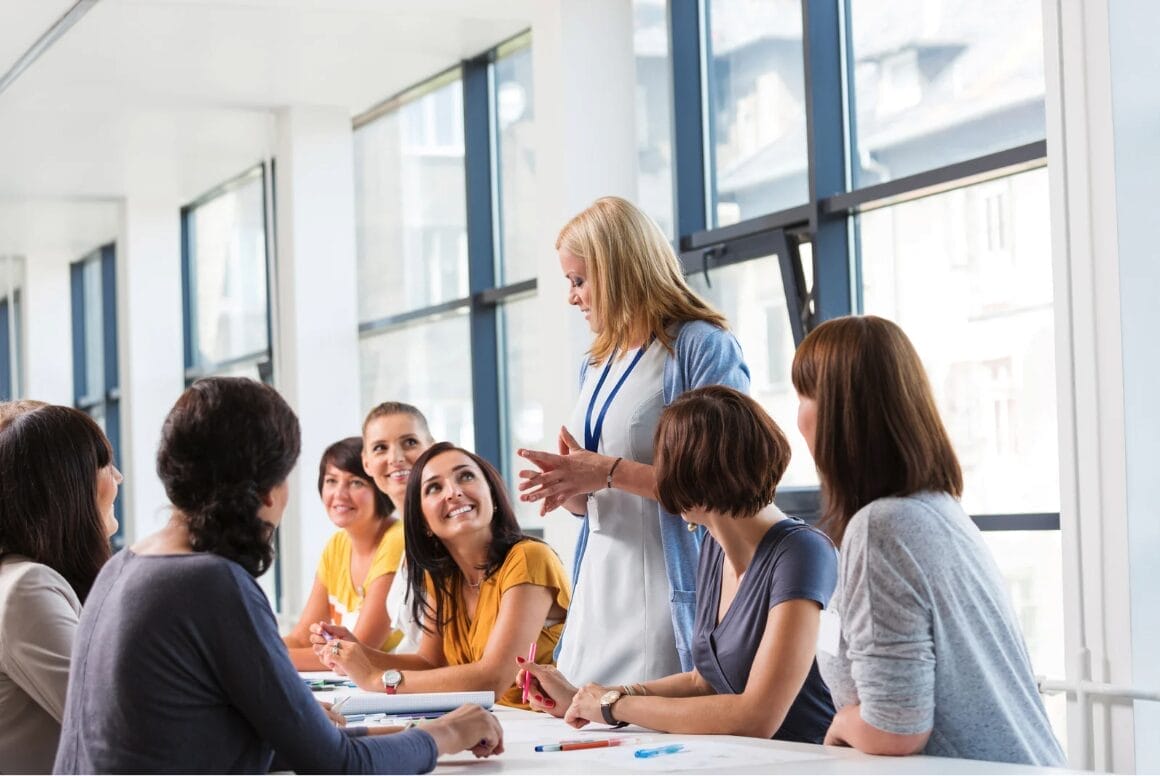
{"points": [[482, 588], [359, 562]]}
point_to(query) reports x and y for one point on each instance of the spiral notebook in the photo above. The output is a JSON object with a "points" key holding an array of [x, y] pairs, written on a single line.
{"points": [[412, 703]]}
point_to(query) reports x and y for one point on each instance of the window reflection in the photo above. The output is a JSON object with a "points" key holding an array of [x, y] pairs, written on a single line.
{"points": [[941, 81]]}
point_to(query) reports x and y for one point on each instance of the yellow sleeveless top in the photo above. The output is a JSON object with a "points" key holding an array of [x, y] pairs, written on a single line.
{"points": [[344, 598]]}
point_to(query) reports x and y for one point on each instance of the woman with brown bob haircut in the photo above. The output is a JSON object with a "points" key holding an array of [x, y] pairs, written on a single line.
{"points": [[930, 657], [762, 581]]}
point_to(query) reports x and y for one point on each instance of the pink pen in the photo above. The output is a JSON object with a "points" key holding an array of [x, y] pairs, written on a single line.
{"points": [[527, 674]]}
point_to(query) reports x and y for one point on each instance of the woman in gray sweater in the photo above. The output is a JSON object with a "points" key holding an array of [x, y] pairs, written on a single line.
{"points": [[926, 654]]}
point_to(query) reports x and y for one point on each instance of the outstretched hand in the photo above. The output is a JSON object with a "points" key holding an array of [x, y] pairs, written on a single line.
{"points": [[571, 473]]}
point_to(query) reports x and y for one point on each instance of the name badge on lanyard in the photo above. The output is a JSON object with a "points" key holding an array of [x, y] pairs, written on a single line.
{"points": [[593, 432]]}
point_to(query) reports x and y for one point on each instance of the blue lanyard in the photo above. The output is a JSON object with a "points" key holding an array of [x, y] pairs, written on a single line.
{"points": [[592, 435]]}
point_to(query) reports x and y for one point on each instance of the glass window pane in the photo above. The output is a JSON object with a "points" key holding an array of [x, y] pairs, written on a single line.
{"points": [[516, 166], [524, 412], [1032, 565], [941, 81], [411, 223], [654, 131], [427, 364], [968, 275], [750, 295], [757, 108], [228, 273]]}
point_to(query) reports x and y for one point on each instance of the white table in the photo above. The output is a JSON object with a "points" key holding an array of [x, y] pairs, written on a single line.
{"points": [[714, 754]]}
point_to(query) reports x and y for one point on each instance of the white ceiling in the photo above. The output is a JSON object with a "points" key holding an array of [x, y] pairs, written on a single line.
{"points": [[184, 90]]}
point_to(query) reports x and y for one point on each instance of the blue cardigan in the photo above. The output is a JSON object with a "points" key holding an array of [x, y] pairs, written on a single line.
{"points": [[705, 355]]}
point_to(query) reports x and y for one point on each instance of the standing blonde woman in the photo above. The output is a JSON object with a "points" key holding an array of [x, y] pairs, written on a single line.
{"points": [[634, 575]]}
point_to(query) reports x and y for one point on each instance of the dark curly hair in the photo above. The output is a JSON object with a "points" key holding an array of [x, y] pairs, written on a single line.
{"points": [[426, 554], [49, 460], [346, 455], [227, 442]]}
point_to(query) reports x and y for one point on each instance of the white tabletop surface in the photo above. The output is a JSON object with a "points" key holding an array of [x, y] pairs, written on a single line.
{"points": [[706, 754]]}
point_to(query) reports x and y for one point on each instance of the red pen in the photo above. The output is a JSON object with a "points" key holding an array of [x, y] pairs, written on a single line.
{"points": [[527, 674], [592, 743]]}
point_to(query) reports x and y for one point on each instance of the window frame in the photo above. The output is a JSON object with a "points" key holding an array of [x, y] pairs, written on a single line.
{"points": [[826, 220]]}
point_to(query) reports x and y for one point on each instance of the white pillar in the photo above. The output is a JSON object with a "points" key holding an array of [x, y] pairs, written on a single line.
{"points": [[48, 327], [585, 97], [149, 324], [1103, 164], [316, 354]]}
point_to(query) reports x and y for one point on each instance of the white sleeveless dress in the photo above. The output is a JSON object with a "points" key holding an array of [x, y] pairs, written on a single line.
{"points": [[620, 628]]}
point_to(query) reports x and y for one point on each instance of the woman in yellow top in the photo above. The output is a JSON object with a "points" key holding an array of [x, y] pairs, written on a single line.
{"points": [[358, 563], [482, 589]]}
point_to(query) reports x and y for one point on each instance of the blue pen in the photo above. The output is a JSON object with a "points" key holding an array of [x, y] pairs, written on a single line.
{"points": [[659, 750]]}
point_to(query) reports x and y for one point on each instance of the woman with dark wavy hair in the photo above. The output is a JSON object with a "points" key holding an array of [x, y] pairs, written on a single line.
{"points": [[179, 665], [482, 588], [57, 488]]}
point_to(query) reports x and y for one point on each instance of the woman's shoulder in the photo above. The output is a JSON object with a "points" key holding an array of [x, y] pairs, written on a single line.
{"points": [[912, 521], [531, 559], [698, 332], [23, 577]]}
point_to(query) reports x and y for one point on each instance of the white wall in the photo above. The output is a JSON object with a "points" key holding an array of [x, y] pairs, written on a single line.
{"points": [[315, 307], [582, 60]]}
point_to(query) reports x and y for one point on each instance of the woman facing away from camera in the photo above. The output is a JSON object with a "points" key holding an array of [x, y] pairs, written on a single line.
{"points": [[762, 581], [635, 564], [359, 562], [57, 489], [930, 657], [178, 665], [482, 589]]}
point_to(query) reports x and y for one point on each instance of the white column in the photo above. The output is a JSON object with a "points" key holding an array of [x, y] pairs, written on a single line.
{"points": [[1103, 164], [150, 340], [585, 97], [48, 327], [316, 363]]}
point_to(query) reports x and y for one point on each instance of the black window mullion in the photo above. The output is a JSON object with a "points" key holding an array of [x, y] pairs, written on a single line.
{"points": [[826, 143], [478, 130], [689, 146], [79, 354]]}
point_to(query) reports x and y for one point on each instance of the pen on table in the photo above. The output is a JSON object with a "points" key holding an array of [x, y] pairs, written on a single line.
{"points": [[527, 675], [339, 703], [581, 743], [659, 750]]}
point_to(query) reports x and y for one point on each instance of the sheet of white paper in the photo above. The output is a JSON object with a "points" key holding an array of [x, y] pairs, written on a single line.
{"points": [[712, 756]]}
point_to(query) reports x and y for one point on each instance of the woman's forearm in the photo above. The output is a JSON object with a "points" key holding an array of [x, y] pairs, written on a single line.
{"points": [[706, 714], [634, 477], [849, 729]]}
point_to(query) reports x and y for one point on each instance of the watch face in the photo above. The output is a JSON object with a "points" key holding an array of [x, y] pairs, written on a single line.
{"points": [[610, 697], [392, 677]]}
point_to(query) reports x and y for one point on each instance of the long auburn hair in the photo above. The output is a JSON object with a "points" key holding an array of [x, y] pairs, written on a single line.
{"points": [[426, 554], [49, 460], [637, 284], [878, 431]]}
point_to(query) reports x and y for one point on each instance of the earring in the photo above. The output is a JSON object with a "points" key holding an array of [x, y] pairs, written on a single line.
{"points": [[428, 532], [690, 527]]}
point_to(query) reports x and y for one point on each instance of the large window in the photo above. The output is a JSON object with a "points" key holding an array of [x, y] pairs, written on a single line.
{"points": [[96, 383], [225, 288], [886, 157], [446, 218]]}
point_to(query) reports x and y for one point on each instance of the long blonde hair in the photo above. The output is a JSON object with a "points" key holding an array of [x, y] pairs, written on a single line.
{"points": [[637, 283]]}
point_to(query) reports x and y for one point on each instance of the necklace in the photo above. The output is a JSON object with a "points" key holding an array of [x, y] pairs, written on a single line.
{"points": [[474, 585]]}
